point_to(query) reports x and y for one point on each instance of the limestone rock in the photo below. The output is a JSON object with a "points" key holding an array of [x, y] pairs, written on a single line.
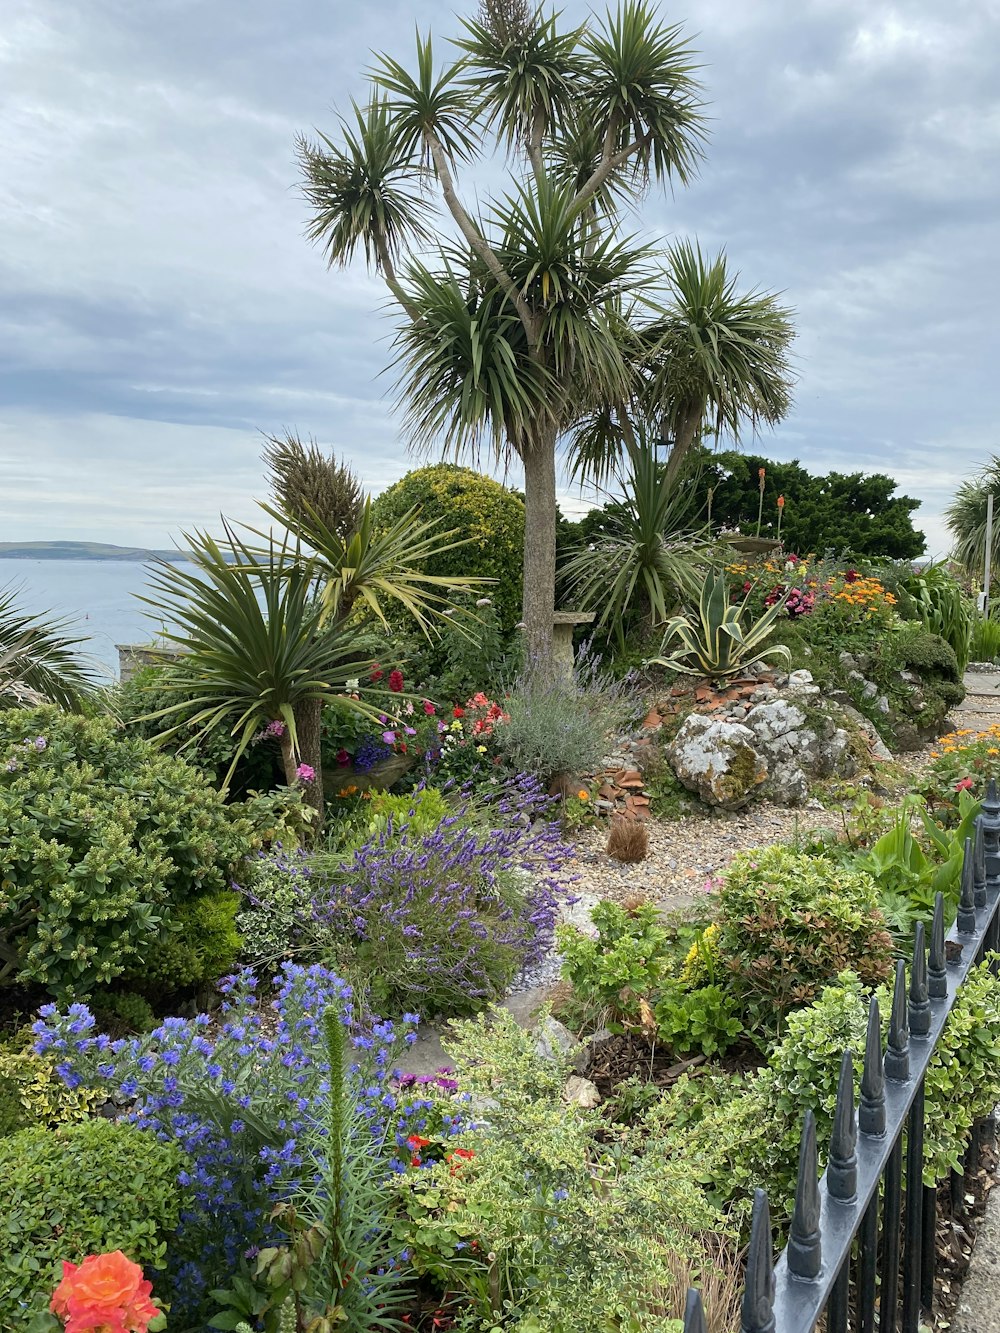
{"points": [[553, 1041], [767, 721], [581, 1092], [718, 760]]}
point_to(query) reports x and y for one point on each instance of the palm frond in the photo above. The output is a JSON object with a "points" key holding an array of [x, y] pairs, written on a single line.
{"points": [[38, 661], [522, 76], [427, 103], [966, 520], [360, 192], [642, 78]]}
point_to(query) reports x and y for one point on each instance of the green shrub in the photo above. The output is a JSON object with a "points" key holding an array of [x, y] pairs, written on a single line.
{"points": [[101, 839], [201, 946], [33, 1094], [119, 1012], [488, 519], [556, 726], [985, 641], [542, 1210], [936, 599], [790, 923], [79, 1190]]}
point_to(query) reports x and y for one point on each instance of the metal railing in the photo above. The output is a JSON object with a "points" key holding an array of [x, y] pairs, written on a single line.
{"points": [[871, 1217]]}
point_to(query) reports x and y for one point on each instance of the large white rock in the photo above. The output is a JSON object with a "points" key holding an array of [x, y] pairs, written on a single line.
{"points": [[718, 760]]}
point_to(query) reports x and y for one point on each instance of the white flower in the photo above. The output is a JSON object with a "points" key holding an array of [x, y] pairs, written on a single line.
{"points": [[353, 686], [484, 601]]}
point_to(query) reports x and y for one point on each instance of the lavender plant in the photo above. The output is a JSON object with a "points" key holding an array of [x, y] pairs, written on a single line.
{"points": [[439, 921], [248, 1102]]}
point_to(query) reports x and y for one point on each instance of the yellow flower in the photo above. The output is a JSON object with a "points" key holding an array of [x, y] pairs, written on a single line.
{"points": [[585, 795], [480, 749], [456, 725]]}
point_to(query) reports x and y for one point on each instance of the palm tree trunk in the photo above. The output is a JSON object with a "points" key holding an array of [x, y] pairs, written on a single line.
{"points": [[539, 604], [687, 433], [308, 716]]}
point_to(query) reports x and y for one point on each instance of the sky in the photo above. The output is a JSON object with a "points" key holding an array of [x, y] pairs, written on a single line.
{"points": [[160, 305]]}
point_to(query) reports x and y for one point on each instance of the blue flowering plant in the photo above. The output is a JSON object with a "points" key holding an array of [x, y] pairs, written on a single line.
{"points": [[440, 920], [250, 1099]]}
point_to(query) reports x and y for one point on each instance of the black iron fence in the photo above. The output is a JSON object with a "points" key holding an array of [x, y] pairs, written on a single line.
{"points": [[861, 1249]]}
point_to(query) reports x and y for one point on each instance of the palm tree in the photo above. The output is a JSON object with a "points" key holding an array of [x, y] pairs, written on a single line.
{"points": [[267, 632], [513, 330], [518, 334], [37, 661], [966, 520]]}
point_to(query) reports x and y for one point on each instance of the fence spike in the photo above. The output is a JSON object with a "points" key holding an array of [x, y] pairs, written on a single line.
{"points": [[937, 972], [990, 820], [694, 1312], [919, 1009], [842, 1165], [897, 1053], [979, 864], [967, 901], [805, 1250], [757, 1315], [871, 1112]]}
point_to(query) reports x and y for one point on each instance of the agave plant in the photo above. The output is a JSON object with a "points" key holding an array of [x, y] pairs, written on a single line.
{"points": [[713, 641], [38, 662]]}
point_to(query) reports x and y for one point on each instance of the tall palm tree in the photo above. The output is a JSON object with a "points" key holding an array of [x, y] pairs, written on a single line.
{"points": [[513, 331], [38, 662], [966, 520]]}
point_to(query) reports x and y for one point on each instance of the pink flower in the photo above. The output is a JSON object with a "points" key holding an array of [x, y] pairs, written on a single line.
{"points": [[396, 681], [964, 784], [429, 708], [389, 737], [305, 773], [274, 729]]}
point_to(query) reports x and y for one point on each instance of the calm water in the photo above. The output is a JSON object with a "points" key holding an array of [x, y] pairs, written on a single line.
{"points": [[97, 595]]}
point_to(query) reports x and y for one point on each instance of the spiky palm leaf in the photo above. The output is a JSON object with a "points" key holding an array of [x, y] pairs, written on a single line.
{"points": [[714, 641], [966, 520], [522, 80], [376, 566], [37, 659], [247, 623], [715, 352], [427, 103], [642, 86], [645, 556], [358, 192]]}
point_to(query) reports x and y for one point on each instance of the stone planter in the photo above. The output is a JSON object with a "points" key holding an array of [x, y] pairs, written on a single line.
{"points": [[754, 545]]}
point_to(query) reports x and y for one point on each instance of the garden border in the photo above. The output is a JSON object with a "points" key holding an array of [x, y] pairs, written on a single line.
{"points": [[813, 1274]]}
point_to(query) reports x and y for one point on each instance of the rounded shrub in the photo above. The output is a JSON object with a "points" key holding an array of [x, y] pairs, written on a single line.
{"points": [[200, 947], [77, 1190], [790, 923], [487, 518], [102, 838]]}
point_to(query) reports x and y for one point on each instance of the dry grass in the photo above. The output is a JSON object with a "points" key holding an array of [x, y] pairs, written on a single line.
{"points": [[627, 840]]}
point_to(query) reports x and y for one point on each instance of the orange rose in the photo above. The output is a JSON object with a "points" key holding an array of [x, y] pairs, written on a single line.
{"points": [[105, 1294]]}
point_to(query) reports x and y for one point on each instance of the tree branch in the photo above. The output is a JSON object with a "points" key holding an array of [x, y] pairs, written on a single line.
{"points": [[392, 282], [604, 169], [479, 243]]}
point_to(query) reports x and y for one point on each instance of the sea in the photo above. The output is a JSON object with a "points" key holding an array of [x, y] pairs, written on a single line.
{"points": [[98, 597]]}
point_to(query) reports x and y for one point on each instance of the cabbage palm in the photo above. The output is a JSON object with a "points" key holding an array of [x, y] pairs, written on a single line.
{"points": [[38, 662], [966, 520], [267, 632], [644, 558], [513, 326]]}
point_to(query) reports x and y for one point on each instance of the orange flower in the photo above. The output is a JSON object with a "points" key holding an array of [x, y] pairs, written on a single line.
{"points": [[583, 795], [105, 1294], [781, 502]]}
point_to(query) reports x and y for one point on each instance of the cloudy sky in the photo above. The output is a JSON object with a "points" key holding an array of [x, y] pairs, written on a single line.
{"points": [[159, 305]]}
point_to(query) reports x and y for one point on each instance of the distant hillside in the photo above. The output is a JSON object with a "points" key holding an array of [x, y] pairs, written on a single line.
{"points": [[79, 551]]}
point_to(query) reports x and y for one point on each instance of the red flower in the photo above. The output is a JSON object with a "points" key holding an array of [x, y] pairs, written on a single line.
{"points": [[463, 1155], [415, 1141], [458, 712], [396, 681], [429, 708], [747, 586], [343, 757], [964, 784], [376, 674], [851, 576]]}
